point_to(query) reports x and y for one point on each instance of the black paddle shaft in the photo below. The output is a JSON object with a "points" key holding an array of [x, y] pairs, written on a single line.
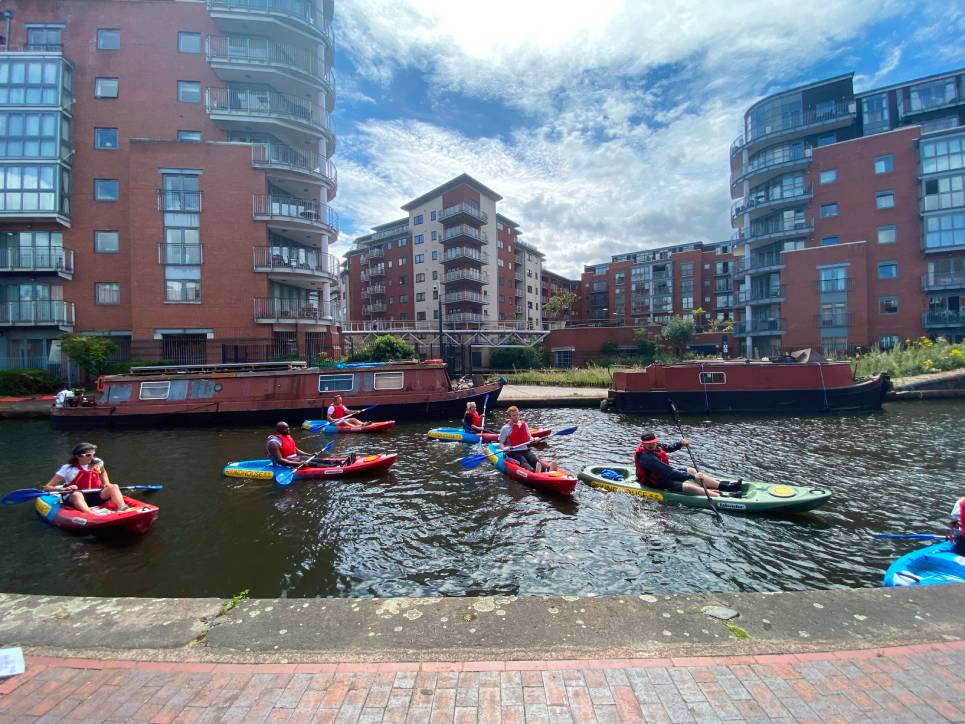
{"points": [[680, 431]]}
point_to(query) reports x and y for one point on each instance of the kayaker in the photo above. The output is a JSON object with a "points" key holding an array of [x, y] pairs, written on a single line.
{"points": [[515, 434], [958, 537], [471, 422], [282, 449], [654, 470], [339, 414], [83, 481]]}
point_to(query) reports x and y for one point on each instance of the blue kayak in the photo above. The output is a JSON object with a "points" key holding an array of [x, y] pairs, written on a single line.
{"points": [[926, 567]]}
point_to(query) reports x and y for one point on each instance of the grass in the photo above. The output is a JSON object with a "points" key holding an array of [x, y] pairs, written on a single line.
{"points": [[590, 376], [911, 357]]}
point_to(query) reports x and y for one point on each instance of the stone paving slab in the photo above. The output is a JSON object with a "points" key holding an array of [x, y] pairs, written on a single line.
{"points": [[923, 683]]}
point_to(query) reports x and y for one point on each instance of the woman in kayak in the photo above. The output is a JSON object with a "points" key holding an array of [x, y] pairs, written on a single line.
{"points": [[514, 439], [471, 422], [957, 536], [654, 470], [83, 481], [339, 414]]}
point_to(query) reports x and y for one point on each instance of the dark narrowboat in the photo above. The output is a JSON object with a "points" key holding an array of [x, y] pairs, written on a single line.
{"points": [[271, 391], [721, 386]]}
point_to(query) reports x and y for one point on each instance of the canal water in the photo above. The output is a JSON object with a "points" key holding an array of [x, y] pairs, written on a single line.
{"points": [[428, 527]]}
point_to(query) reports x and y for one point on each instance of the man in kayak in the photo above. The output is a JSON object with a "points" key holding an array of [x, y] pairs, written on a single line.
{"points": [[282, 449], [471, 422], [339, 414], [654, 470], [83, 481], [514, 439]]}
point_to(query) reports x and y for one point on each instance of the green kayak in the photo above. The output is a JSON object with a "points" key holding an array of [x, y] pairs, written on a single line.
{"points": [[755, 497]]}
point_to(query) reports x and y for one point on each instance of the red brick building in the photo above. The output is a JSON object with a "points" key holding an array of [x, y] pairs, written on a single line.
{"points": [[166, 178]]}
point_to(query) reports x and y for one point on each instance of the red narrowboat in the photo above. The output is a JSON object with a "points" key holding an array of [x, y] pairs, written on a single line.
{"points": [[271, 391]]}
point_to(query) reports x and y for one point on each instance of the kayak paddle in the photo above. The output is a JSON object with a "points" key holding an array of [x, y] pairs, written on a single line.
{"points": [[680, 429], [482, 421], [324, 425], [474, 461], [25, 494], [284, 475], [908, 536]]}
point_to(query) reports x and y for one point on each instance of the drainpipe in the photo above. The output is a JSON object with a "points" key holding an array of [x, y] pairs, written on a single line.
{"points": [[7, 15]]}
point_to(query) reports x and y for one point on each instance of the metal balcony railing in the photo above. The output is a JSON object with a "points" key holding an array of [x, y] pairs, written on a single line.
{"points": [[373, 290], [286, 158], [373, 272], [184, 201], [464, 208], [463, 252], [312, 212], [463, 275], [464, 317], [37, 259], [374, 308], [834, 320], [842, 284], [374, 252], [273, 309], [761, 200], [261, 103], [239, 50], [779, 229], [457, 297], [787, 157], [943, 318], [758, 263], [793, 122], [934, 281], [760, 326], [301, 11], [42, 313], [463, 231], [394, 231], [297, 261]]}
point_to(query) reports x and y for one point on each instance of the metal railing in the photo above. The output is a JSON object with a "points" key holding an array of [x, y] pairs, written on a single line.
{"points": [[185, 201], [474, 297], [757, 262], [464, 317], [290, 310], [460, 275], [464, 208], [313, 212], [373, 272], [299, 261], [792, 122], [464, 252], [37, 259], [454, 232], [762, 231], [394, 231], [787, 157], [943, 318], [374, 252], [834, 320], [841, 284], [278, 156], [758, 326], [762, 200], [374, 308], [300, 10], [761, 295], [373, 290], [942, 280], [36, 314], [267, 104], [235, 49]]}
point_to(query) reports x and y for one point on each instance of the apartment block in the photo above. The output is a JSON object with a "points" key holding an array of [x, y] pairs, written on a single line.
{"points": [[166, 170]]}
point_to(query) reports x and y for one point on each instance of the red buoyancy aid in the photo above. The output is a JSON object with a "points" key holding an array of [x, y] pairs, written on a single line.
{"points": [[88, 479], [518, 434], [470, 419], [339, 411], [286, 445], [646, 476]]}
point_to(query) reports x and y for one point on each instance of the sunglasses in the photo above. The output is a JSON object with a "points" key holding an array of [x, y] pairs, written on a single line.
{"points": [[86, 454]]}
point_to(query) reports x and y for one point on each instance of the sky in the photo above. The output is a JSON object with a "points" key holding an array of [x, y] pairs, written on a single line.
{"points": [[605, 126]]}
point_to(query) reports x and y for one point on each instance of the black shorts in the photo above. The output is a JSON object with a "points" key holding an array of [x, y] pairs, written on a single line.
{"points": [[524, 458], [91, 497], [674, 486]]}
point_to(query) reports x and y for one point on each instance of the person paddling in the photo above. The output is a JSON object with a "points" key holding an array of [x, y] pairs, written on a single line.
{"points": [[339, 414], [282, 449], [83, 481], [955, 523], [471, 421], [514, 439], [654, 471]]}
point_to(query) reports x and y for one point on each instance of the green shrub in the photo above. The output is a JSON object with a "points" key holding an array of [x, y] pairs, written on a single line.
{"points": [[518, 358], [384, 348], [17, 383], [911, 357], [323, 360], [122, 368], [609, 348]]}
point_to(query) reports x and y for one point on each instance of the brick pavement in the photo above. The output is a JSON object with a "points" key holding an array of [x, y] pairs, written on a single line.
{"points": [[903, 684]]}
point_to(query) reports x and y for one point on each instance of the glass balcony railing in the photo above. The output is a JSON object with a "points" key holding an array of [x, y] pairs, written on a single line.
{"points": [[299, 210], [459, 297], [766, 295], [394, 231], [274, 156], [464, 231], [760, 326], [943, 318], [464, 209], [273, 309], [465, 275], [43, 313], [761, 201], [302, 13], [268, 104], [308, 262], [457, 317], [462, 253], [37, 260], [795, 122], [935, 281]]}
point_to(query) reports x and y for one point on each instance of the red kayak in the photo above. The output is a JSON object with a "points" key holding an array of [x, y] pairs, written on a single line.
{"points": [[330, 429], [556, 481], [102, 517], [343, 468]]}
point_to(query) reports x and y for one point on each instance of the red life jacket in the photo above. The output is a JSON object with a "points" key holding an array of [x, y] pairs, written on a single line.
{"points": [[339, 411], [470, 419], [645, 477], [518, 434], [286, 445], [88, 479]]}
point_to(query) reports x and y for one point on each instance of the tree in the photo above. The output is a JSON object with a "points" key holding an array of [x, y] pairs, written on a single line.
{"points": [[647, 346], [384, 348], [559, 304], [89, 352], [678, 332]]}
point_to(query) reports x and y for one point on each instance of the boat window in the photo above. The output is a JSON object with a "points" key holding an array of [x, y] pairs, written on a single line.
{"points": [[118, 393], [155, 390], [203, 388], [388, 380], [179, 390], [713, 378], [336, 383]]}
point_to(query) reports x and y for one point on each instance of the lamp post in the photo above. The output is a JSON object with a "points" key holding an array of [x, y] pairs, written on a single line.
{"points": [[438, 294]]}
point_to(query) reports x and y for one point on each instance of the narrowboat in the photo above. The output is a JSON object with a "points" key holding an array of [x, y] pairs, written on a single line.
{"points": [[761, 386], [270, 391]]}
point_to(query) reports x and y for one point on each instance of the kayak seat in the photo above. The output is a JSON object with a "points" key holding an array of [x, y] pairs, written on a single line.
{"points": [[350, 460]]}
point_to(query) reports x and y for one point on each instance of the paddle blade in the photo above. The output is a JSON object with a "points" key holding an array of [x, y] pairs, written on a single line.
{"points": [[327, 447], [23, 495], [564, 431], [473, 461], [284, 476], [142, 487], [907, 536]]}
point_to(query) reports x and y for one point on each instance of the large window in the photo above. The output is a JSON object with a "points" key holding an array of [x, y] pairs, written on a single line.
{"points": [[947, 154], [189, 42], [106, 87], [45, 37], [888, 270], [106, 189], [107, 242], [30, 82], [28, 135], [105, 139], [833, 279], [28, 188], [189, 91], [944, 193], [931, 95], [874, 112], [336, 383], [945, 230]]}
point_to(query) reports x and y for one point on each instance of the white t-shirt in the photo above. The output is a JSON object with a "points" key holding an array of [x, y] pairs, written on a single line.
{"points": [[956, 513], [61, 399], [69, 472]]}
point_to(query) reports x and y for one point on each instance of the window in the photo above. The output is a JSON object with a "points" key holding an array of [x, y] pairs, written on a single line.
{"points": [[402, 279], [432, 216], [419, 258], [944, 230], [28, 135], [435, 257], [888, 270], [887, 234], [189, 42], [828, 210], [402, 261], [155, 390], [420, 277], [190, 136], [712, 378], [107, 293], [829, 176], [421, 316], [417, 220], [943, 155], [108, 39], [887, 341], [45, 37], [388, 381], [829, 240], [827, 139], [107, 242], [888, 305], [106, 87], [435, 275], [105, 139], [105, 189], [563, 357], [336, 383], [181, 290], [189, 91], [884, 164], [435, 235], [885, 200], [420, 296], [403, 299], [420, 238], [400, 243]]}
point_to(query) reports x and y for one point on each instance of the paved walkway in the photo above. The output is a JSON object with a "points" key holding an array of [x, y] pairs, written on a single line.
{"points": [[908, 683]]}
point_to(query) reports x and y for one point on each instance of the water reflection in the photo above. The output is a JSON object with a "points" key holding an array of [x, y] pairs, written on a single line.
{"points": [[429, 527]]}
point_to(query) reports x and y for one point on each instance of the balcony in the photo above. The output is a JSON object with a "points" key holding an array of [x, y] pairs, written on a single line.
{"points": [[459, 297], [833, 320], [759, 264], [274, 17], [373, 254], [776, 232], [374, 272], [247, 107], [293, 264], [270, 310], [37, 261], [766, 169], [46, 313], [298, 166], [760, 326], [462, 317], [391, 233], [294, 214], [831, 286], [188, 202], [462, 233], [373, 290], [941, 281], [465, 275], [760, 204], [463, 253], [374, 308], [943, 318], [288, 68], [796, 125], [464, 212]]}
